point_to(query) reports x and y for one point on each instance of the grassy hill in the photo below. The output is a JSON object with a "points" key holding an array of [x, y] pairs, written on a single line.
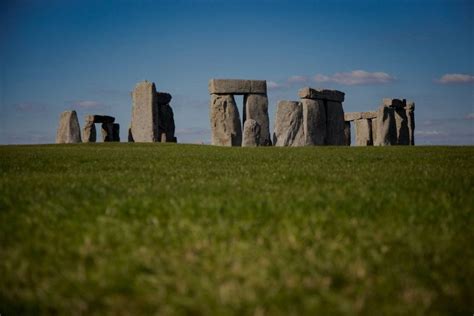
{"points": [[201, 230]]}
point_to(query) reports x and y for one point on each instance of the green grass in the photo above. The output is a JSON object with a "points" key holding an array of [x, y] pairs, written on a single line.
{"points": [[171, 229]]}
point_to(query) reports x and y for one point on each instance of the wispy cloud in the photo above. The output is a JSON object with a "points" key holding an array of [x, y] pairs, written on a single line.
{"points": [[272, 85], [428, 133], [31, 107], [89, 105], [298, 79], [455, 79], [356, 77]]}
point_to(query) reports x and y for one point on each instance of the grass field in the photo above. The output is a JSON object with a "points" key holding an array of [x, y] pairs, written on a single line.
{"points": [[171, 229]]}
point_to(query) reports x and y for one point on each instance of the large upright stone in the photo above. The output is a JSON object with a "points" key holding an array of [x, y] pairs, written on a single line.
{"points": [[69, 130], [89, 133], [166, 126], [116, 132], [374, 130], [334, 123], [314, 121], [386, 127], [289, 124], [107, 130], [401, 123], [144, 125], [226, 128], [410, 112], [251, 134], [363, 129], [256, 108], [347, 133]]}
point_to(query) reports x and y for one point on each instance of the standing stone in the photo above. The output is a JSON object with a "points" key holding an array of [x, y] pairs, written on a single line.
{"points": [[256, 108], [289, 124], [334, 123], [116, 132], [410, 112], [314, 121], [107, 132], [89, 133], [401, 123], [251, 135], [166, 123], [363, 129], [386, 126], [225, 121], [69, 130], [130, 136], [144, 125], [347, 133], [374, 130]]}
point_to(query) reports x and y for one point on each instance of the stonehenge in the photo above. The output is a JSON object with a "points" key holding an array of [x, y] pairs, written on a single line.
{"points": [[317, 119], [69, 131], [392, 124]]}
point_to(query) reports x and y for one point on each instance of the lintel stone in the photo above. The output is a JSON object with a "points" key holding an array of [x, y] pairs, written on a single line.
{"points": [[321, 94], [352, 116], [237, 86]]}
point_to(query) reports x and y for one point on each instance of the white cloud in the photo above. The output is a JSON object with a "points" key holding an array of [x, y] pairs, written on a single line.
{"points": [[272, 85], [356, 77], [456, 78], [428, 133], [88, 105], [297, 79]]}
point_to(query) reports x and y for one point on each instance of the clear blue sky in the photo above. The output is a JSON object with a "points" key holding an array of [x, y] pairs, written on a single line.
{"points": [[88, 55]]}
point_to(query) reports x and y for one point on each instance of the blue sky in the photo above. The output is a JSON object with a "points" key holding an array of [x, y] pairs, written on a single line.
{"points": [[88, 55]]}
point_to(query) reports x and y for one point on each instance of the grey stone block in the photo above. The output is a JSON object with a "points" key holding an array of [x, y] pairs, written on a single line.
{"points": [[89, 133], [386, 133], [163, 98], [347, 133], [363, 130], [144, 125], [401, 123], [107, 130], [237, 86], [251, 135], [69, 130], [226, 128], [410, 112], [314, 121], [256, 108], [334, 123], [321, 94], [289, 124], [116, 132]]}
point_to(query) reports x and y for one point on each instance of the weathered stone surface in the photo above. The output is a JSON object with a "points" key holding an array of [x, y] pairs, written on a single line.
{"points": [[107, 130], [226, 128], [352, 116], [115, 132], [314, 121], [99, 119], [251, 135], [410, 111], [144, 125], [334, 123], [89, 133], [166, 122], [395, 103], [237, 86], [256, 108], [289, 124], [321, 94], [69, 130], [401, 122], [347, 133], [374, 130], [363, 129], [163, 98], [386, 127]]}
